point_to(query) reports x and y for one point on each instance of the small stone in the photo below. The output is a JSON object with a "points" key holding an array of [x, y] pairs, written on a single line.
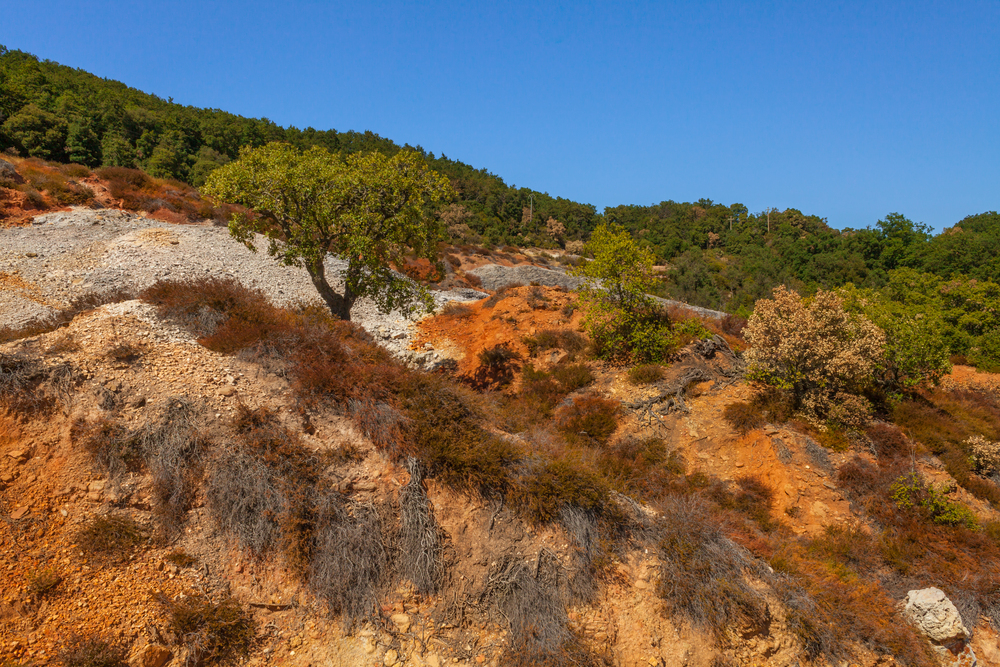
{"points": [[432, 660], [97, 485], [402, 621], [19, 513], [391, 658], [31, 254], [154, 655], [227, 391]]}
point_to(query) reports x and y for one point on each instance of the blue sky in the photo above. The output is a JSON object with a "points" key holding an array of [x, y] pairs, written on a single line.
{"points": [[847, 110]]}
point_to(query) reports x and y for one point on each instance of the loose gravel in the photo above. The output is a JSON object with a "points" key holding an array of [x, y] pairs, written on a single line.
{"points": [[65, 255]]}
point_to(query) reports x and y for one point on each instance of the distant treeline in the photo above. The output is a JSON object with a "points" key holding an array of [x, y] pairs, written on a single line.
{"points": [[64, 114], [720, 256]]}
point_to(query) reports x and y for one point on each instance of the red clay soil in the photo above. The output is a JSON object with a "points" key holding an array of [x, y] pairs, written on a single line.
{"points": [[463, 331]]}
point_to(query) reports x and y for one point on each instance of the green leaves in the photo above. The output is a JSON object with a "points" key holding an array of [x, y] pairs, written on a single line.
{"points": [[368, 209], [622, 319]]}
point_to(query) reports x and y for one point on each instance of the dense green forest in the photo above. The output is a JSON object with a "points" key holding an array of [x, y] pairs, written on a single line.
{"points": [[63, 114], [719, 256]]}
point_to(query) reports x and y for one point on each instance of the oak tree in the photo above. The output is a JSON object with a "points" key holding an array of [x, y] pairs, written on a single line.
{"points": [[368, 209]]}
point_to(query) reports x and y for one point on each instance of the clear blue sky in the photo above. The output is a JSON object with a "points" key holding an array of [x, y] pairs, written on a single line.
{"points": [[847, 110]]}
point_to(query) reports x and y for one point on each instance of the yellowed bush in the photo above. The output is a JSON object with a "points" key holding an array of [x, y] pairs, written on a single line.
{"points": [[823, 355], [985, 455]]}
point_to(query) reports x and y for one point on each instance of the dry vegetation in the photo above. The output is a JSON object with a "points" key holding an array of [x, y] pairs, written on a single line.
{"points": [[727, 564]]}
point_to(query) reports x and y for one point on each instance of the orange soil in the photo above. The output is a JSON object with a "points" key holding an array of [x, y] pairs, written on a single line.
{"points": [[465, 331]]}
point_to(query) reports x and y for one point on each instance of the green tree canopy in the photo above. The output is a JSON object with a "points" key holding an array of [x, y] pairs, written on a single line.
{"points": [[623, 320], [367, 208]]}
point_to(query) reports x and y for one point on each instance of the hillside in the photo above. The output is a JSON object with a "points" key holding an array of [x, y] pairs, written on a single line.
{"points": [[196, 469]]}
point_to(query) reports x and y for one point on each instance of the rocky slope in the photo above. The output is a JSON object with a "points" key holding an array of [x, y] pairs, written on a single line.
{"points": [[124, 361]]}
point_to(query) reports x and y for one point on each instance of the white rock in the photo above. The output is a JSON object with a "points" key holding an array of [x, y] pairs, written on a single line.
{"points": [[935, 615]]}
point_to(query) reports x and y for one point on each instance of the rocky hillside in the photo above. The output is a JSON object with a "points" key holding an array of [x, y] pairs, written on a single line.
{"points": [[197, 466]]}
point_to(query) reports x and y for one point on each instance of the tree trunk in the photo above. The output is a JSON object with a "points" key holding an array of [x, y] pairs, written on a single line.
{"points": [[338, 305]]}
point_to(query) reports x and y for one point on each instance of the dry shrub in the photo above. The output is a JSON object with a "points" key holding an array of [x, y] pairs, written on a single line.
{"points": [[703, 574], [444, 432], [645, 374], [889, 442], [263, 487], [733, 325], [122, 180], [591, 416], [111, 538], [572, 376], [169, 448], [544, 492], [419, 534], [642, 467], [985, 455], [556, 339], [351, 565], [93, 652], [527, 598], [214, 633], [112, 445], [22, 380], [751, 497], [381, 423], [456, 310], [43, 581], [743, 416]]}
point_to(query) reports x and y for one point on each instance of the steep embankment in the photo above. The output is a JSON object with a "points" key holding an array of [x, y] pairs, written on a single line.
{"points": [[155, 492]]}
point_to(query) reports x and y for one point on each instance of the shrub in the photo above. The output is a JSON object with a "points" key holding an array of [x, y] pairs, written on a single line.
{"points": [[572, 376], [544, 492], [498, 358], [623, 321], [593, 417], [551, 339], [703, 573], [822, 354], [910, 492], [43, 581], [443, 432], [419, 534], [213, 632], [733, 325], [985, 455], [645, 374], [93, 652], [111, 538], [350, 567]]}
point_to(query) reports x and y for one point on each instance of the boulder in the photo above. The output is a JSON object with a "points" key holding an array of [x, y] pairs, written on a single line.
{"points": [[938, 619], [9, 173]]}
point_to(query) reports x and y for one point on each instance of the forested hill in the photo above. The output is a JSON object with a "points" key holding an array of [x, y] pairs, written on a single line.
{"points": [[721, 256], [59, 113]]}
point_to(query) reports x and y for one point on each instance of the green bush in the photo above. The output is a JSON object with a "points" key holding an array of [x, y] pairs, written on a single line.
{"points": [[910, 492]]}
